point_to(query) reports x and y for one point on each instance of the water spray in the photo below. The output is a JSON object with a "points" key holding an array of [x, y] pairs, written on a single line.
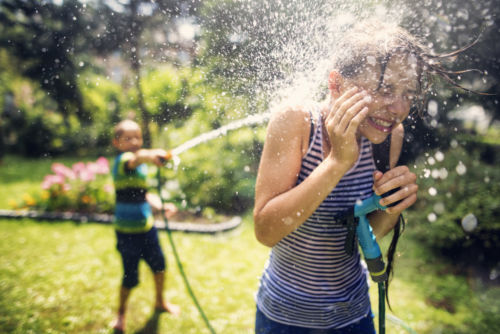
{"points": [[223, 130]]}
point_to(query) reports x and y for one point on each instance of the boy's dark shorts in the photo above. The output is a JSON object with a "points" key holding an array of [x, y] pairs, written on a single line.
{"points": [[133, 247]]}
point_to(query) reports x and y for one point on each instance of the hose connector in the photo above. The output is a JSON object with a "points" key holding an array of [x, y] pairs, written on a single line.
{"points": [[366, 238], [166, 157]]}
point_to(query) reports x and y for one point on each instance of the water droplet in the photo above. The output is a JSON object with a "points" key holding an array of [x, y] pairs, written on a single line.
{"points": [[461, 169], [494, 274], [443, 173], [439, 208], [435, 174], [469, 222], [439, 156]]}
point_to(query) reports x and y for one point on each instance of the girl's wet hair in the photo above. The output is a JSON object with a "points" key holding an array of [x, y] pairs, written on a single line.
{"points": [[376, 42]]}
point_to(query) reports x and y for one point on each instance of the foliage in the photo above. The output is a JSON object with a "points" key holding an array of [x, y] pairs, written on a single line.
{"points": [[33, 126], [47, 39], [173, 94], [219, 173], [86, 187], [104, 99], [458, 209]]}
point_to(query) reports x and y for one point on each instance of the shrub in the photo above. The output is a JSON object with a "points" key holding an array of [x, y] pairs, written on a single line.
{"points": [[458, 211]]}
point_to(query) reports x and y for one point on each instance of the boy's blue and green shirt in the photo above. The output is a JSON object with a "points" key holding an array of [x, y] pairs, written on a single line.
{"points": [[132, 212]]}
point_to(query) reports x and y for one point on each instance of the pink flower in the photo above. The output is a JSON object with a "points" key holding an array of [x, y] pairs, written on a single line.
{"points": [[103, 165], [92, 167], [62, 170], [87, 175], [50, 180], [78, 167]]}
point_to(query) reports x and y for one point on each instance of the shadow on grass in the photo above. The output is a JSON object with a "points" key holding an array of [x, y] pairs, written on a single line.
{"points": [[151, 326]]}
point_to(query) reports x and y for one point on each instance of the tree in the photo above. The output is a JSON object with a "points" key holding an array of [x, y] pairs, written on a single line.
{"points": [[123, 26], [47, 40]]}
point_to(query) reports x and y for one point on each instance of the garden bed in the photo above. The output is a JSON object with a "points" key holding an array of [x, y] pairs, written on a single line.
{"points": [[182, 221]]}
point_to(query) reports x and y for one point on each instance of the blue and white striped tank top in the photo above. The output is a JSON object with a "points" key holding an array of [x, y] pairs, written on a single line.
{"points": [[309, 280]]}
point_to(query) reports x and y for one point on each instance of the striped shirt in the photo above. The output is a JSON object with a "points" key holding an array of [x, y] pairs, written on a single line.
{"points": [[132, 211], [309, 280]]}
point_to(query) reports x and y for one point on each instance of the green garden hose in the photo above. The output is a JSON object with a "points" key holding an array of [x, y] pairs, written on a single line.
{"points": [[381, 307], [177, 258]]}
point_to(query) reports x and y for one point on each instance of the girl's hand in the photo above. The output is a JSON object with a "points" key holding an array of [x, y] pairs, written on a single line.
{"points": [[342, 122], [400, 178]]}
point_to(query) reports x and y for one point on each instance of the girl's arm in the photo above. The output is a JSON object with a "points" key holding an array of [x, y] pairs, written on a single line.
{"points": [[281, 206]]}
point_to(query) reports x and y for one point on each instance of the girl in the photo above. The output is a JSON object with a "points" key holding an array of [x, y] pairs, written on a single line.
{"points": [[316, 163]]}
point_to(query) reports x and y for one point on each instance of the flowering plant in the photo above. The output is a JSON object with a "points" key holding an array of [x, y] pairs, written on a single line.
{"points": [[85, 187]]}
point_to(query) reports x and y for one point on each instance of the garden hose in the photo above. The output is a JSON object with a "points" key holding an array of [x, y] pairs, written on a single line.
{"points": [[176, 255], [381, 307], [371, 251]]}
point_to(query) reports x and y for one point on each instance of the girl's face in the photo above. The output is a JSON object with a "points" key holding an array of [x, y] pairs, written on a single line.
{"points": [[391, 101]]}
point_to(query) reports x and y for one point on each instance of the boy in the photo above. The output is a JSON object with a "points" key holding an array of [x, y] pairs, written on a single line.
{"points": [[134, 223]]}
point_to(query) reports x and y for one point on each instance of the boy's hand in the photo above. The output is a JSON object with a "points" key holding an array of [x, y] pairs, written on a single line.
{"points": [[170, 209], [157, 156], [401, 179]]}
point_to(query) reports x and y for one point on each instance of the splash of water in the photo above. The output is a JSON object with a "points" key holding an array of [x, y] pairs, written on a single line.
{"points": [[222, 131], [287, 48]]}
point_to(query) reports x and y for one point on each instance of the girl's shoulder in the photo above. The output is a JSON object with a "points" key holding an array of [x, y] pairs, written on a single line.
{"points": [[297, 115]]}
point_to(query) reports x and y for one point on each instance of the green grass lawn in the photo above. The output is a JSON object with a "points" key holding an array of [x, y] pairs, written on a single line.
{"points": [[62, 277]]}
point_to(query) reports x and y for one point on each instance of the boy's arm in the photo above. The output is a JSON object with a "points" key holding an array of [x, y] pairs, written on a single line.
{"points": [[155, 156]]}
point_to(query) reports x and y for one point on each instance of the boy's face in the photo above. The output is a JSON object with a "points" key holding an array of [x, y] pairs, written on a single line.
{"points": [[129, 141]]}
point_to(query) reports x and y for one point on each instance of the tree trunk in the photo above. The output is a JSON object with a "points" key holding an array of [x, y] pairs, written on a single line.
{"points": [[145, 117], [135, 62]]}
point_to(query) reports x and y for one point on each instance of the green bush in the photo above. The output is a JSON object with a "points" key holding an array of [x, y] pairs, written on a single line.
{"points": [[32, 125], [104, 101], [458, 212], [221, 172]]}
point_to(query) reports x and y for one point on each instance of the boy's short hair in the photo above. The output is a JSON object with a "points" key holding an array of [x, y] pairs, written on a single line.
{"points": [[123, 126]]}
